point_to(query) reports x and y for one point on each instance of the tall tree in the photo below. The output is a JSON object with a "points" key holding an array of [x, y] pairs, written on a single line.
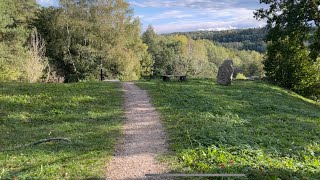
{"points": [[86, 35], [149, 36], [15, 18], [293, 44]]}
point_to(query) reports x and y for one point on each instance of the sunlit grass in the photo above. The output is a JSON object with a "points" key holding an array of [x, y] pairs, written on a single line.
{"points": [[89, 114], [250, 127]]}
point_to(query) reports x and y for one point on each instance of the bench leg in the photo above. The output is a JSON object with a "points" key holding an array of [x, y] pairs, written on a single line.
{"points": [[166, 78]]}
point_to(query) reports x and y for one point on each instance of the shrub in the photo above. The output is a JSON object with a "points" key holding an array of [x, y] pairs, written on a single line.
{"points": [[241, 76]]}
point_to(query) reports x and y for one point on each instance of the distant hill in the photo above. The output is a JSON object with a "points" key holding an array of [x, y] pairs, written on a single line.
{"points": [[242, 39]]}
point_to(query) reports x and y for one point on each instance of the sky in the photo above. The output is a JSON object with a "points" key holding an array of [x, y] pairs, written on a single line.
{"points": [[168, 16]]}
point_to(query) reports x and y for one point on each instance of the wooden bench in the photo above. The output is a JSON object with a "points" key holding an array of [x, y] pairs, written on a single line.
{"points": [[168, 77]]}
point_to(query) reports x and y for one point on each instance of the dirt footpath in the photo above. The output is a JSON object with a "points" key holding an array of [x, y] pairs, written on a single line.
{"points": [[144, 139]]}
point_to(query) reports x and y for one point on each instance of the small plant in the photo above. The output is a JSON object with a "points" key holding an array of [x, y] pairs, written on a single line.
{"points": [[241, 76]]}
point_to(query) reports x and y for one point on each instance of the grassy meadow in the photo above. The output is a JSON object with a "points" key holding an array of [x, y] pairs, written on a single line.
{"points": [[253, 128], [89, 114]]}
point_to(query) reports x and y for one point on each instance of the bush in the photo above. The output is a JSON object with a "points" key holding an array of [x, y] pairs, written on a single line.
{"points": [[241, 76], [289, 65]]}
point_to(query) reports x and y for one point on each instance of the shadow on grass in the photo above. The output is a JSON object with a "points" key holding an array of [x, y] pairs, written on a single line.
{"points": [[89, 114], [245, 116]]}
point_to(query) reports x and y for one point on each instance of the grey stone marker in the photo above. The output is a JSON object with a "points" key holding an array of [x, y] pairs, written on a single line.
{"points": [[225, 73]]}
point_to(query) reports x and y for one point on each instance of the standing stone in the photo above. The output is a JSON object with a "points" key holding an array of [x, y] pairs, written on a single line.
{"points": [[225, 73]]}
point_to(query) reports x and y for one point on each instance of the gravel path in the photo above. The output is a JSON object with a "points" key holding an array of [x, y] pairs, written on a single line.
{"points": [[144, 139]]}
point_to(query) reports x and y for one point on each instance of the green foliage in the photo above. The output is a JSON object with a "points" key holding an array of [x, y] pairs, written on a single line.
{"points": [[289, 65], [15, 16], [293, 45], [89, 114], [178, 54], [8, 72], [84, 36], [240, 39], [251, 127], [241, 76]]}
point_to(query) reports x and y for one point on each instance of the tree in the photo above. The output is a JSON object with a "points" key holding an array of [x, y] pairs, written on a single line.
{"points": [[241, 39], [15, 18], [35, 65], [84, 36], [179, 54], [293, 44], [149, 36]]}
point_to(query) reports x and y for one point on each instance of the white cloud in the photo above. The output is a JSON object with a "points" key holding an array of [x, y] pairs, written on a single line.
{"points": [[174, 14], [198, 4], [195, 25], [218, 28], [193, 15], [134, 3], [214, 20]]}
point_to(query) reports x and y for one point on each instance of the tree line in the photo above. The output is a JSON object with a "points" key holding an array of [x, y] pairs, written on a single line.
{"points": [[180, 54], [74, 41], [79, 36], [240, 39]]}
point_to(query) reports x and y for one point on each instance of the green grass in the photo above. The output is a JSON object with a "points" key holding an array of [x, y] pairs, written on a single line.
{"points": [[250, 127], [89, 114]]}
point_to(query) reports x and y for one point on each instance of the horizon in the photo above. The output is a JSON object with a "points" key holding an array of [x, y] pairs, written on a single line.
{"points": [[191, 15]]}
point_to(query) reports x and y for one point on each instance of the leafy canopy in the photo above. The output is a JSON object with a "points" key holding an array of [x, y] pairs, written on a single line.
{"points": [[293, 44]]}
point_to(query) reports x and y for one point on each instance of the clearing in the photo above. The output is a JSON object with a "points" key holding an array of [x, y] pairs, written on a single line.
{"points": [[250, 127]]}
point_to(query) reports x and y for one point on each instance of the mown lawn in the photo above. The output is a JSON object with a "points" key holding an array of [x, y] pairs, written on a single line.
{"points": [[89, 114], [253, 128]]}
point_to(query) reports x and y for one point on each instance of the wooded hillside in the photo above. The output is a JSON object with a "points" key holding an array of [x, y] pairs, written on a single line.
{"points": [[179, 54], [241, 39]]}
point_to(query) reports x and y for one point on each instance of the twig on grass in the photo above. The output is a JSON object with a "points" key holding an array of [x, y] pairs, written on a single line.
{"points": [[39, 142], [49, 140]]}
